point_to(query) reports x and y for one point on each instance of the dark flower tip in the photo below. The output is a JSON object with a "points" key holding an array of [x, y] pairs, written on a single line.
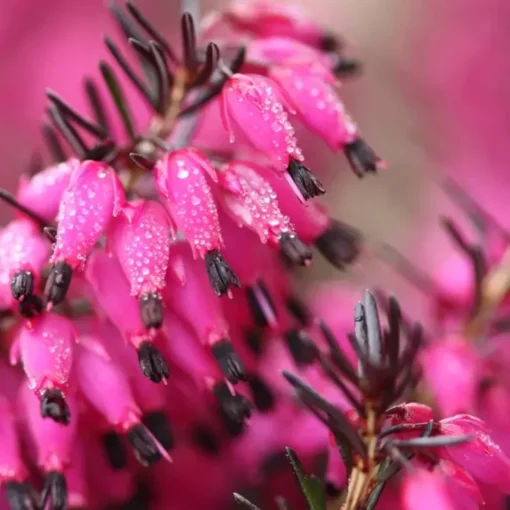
{"points": [[308, 185], [151, 311], [58, 282], [301, 347], [145, 448], [340, 244], [294, 250], [220, 273], [30, 306], [152, 363], [204, 438], [229, 361], [263, 397], [114, 450], [235, 408], [159, 426], [54, 493], [54, 406], [22, 285], [20, 496], [329, 42], [362, 158], [346, 67]]}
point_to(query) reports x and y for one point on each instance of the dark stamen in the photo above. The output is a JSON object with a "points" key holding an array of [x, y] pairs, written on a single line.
{"points": [[205, 439], [263, 397], [22, 285], [261, 304], [50, 233], [151, 311], [254, 340], [159, 426], [362, 158], [294, 250], [346, 67], [301, 347], [220, 274], [152, 363], [96, 105], [118, 97], [9, 199], [299, 310], [329, 43], [340, 244], [67, 111], [30, 307], [54, 491], [235, 408], [53, 144], [229, 361], [308, 185], [53, 405], [145, 449], [114, 449], [20, 496], [58, 282]]}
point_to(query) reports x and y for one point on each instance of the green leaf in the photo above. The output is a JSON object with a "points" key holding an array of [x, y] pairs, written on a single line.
{"points": [[310, 485]]}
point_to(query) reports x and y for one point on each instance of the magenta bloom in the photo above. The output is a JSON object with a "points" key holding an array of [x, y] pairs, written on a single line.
{"points": [[423, 490], [43, 192], [46, 351], [12, 467]]}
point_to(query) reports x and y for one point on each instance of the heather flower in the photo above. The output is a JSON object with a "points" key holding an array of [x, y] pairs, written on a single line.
{"points": [[43, 192], [181, 181], [93, 198], [142, 244], [46, 348], [422, 489], [252, 203], [253, 104]]}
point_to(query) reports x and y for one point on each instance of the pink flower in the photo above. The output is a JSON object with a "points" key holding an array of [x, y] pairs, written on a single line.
{"points": [[252, 202], [423, 490], [46, 351], [43, 192], [452, 369], [23, 255], [12, 467], [181, 181], [481, 456], [93, 198], [141, 241], [254, 104]]}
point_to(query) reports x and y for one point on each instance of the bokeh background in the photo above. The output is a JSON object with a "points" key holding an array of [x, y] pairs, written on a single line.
{"points": [[433, 99]]}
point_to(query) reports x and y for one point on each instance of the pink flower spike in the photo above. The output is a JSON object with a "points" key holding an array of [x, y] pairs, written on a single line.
{"points": [[182, 183], [46, 352], [253, 103], [141, 241], [12, 467], [43, 192], [112, 294], [481, 457], [423, 490], [23, 255], [93, 198], [252, 203], [105, 386]]}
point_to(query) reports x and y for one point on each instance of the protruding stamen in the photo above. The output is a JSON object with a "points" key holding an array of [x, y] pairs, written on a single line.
{"points": [[254, 340], [220, 273], [229, 361], [22, 285], [299, 310], [54, 406], [263, 397], [159, 426], [301, 347], [152, 363], [347, 67], [308, 185], [58, 283], [205, 439], [236, 408], [145, 448], [21, 496], [54, 491], [30, 307], [362, 158], [151, 311], [340, 244], [261, 304], [114, 449], [294, 250]]}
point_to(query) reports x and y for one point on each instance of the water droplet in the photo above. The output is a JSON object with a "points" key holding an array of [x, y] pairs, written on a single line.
{"points": [[182, 173]]}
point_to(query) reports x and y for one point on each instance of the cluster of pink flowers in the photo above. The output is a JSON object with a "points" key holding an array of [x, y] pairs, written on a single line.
{"points": [[146, 292]]}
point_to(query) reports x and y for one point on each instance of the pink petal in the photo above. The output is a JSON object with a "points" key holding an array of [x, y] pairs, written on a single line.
{"points": [[423, 490]]}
